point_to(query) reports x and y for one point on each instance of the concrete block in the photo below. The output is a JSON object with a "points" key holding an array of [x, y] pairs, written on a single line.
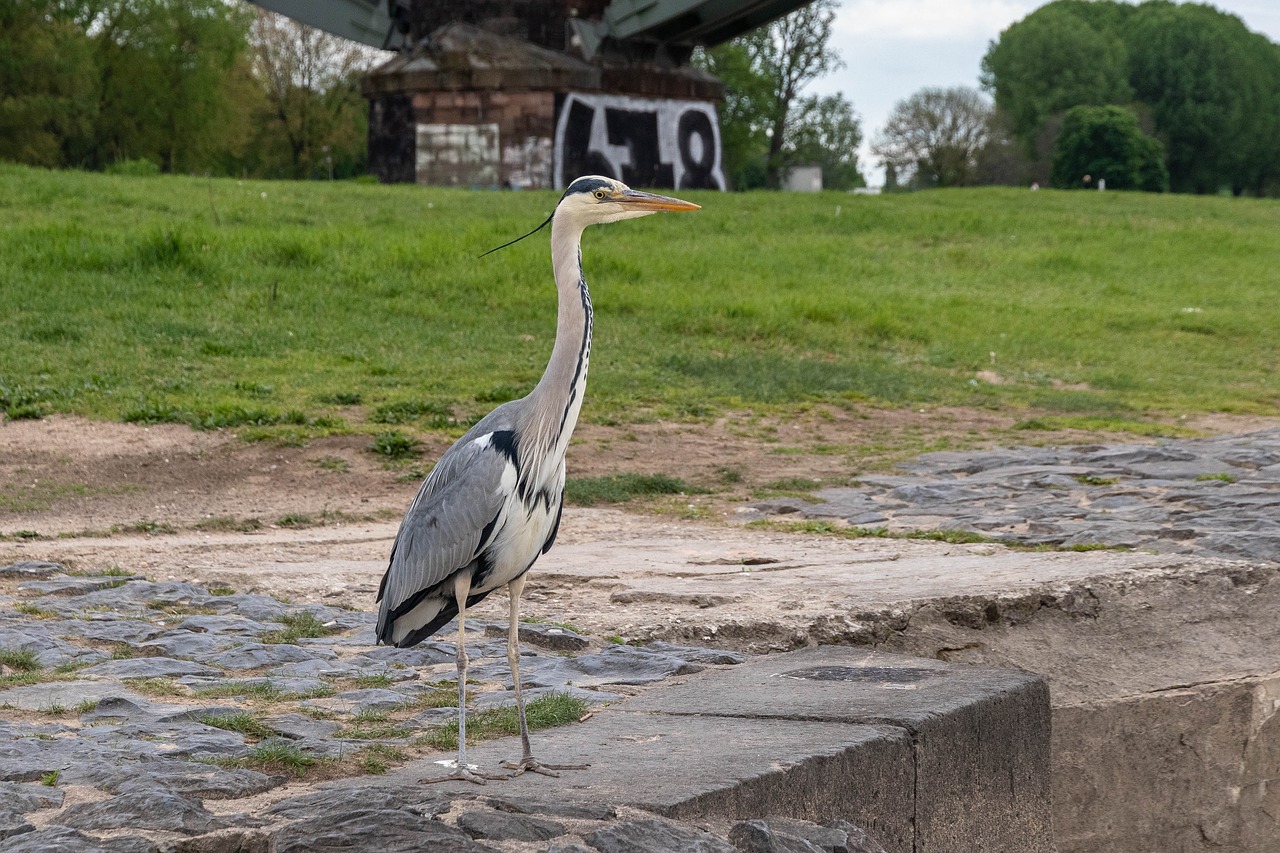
{"points": [[1198, 767], [981, 737], [685, 767]]}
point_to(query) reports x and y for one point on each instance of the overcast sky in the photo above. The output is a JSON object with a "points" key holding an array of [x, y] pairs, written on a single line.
{"points": [[894, 48]]}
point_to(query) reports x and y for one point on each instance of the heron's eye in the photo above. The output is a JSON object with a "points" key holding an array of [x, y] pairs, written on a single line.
{"points": [[599, 194]]}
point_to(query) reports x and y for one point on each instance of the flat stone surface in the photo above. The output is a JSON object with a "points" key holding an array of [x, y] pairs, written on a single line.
{"points": [[1181, 496], [662, 764], [66, 694], [981, 749], [143, 810], [147, 668]]}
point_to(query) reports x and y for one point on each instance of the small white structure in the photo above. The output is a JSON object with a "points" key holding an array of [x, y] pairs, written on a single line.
{"points": [[803, 179]]}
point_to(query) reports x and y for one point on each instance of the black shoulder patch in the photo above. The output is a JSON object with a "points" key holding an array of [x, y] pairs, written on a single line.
{"points": [[504, 441]]}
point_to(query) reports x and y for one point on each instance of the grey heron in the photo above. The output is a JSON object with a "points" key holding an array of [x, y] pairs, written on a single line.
{"points": [[492, 504]]}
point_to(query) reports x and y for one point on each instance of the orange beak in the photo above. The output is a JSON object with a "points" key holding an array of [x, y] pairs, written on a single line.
{"points": [[650, 201]]}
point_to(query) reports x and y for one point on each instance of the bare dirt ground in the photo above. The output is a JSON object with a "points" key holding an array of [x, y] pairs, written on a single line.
{"points": [[316, 522]]}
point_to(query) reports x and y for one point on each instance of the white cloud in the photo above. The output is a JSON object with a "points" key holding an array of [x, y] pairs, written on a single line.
{"points": [[929, 20]]}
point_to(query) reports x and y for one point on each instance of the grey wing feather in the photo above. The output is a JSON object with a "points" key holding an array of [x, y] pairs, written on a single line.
{"points": [[442, 530]]}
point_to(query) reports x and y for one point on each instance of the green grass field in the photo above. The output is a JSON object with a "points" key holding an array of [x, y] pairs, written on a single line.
{"points": [[315, 307]]}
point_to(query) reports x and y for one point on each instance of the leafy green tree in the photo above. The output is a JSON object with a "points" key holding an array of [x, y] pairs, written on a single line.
{"points": [[935, 137], [1062, 55], [47, 100], [1106, 143], [162, 65], [1211, 85]]}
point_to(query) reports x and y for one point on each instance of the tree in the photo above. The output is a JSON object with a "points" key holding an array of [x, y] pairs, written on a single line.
{"points": [[764, 72], [314, 107], [744, 139], [1062, 55], [936, 136], [47, 98], [1106, 143], [827, 132], [161, 67], [1209, 88]]}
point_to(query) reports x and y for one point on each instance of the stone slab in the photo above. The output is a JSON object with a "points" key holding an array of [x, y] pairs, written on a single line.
{"points": [[980, 736], [708, 767]]}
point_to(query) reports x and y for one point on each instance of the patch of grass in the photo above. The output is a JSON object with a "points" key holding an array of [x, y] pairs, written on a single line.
{"points": [[122, 651], [86, 706], [375, 731], [333, 463], [828, 528], [547, 711], [366, 682], [1224, 477], [620, 488], [221, 590], [157, 686], [378, 758], [394, 444], [178, 608], [436, 415], [1053, 423], [340, 398], [443, 695], [1093, 480], [50, 779], [243, 722], [20, 660], [295, 519], [146, 526], [317, 713], [274, 757], [26, 608], [303, 624], [227, 524], [54, 709], [108, 572], [41, 495], [263, 691], [789, 487]]}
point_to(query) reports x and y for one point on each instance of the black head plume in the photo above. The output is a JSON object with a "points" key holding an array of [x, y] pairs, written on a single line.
{"points": [[518, 239]]}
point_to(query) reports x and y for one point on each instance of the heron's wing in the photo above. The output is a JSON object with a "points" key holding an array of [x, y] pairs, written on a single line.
{"points": [[447, 522]]}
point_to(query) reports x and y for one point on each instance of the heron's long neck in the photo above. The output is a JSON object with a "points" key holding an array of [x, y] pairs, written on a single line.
{"points": [[558, 397]]}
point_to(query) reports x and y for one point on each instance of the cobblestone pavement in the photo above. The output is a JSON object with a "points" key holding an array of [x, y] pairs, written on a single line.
{"points": [[134, 713], [1216, 497]]}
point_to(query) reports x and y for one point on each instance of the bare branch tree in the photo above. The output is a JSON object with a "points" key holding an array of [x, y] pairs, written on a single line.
{"points": [[792, 51], [307, 75], [935, 136]]}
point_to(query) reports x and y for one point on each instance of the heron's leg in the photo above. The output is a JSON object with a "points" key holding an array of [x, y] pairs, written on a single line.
{"points": [[463, 771], [527, 761]]}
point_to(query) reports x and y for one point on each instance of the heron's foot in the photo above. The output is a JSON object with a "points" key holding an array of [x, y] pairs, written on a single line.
{"points": [[533, 765], [464, 773]]}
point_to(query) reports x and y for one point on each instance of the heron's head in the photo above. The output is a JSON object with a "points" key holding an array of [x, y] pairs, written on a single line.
{"points": [[594, 199]]}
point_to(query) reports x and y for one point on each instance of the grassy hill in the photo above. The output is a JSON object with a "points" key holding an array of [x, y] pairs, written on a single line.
{"points": [[315, 306]]}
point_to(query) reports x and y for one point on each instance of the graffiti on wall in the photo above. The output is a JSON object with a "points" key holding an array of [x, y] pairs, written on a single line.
{"points": [[643, 142]]}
